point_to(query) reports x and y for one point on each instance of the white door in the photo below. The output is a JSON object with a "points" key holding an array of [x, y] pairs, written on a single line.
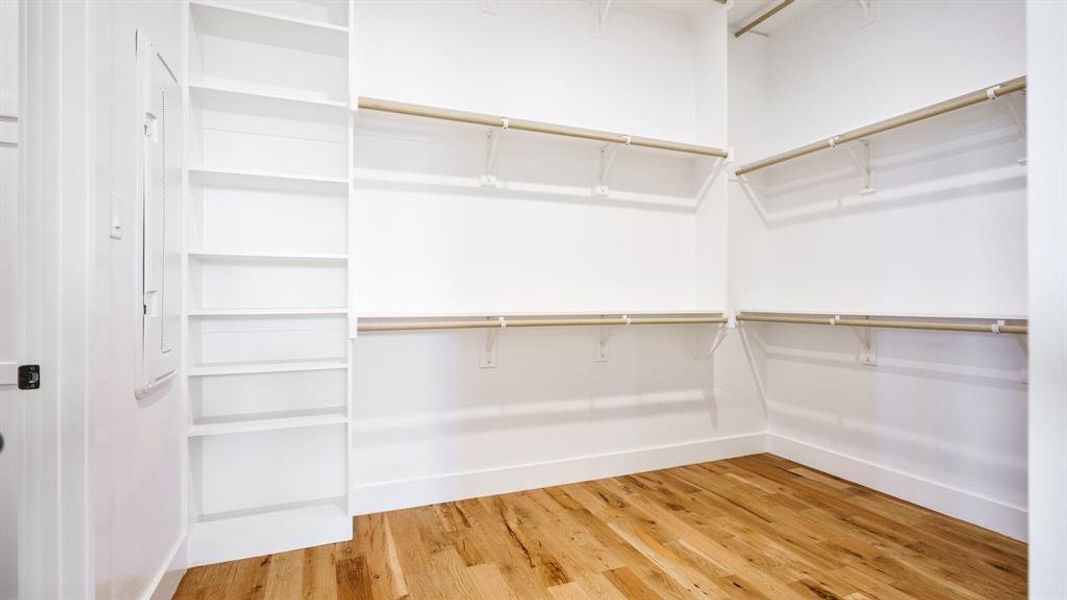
{"points": [[11, 297]]}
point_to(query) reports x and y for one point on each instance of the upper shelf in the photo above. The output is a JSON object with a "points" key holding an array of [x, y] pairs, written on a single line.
{"points": [[990, 93], [237, 91], [448, 114], [272, 28]]}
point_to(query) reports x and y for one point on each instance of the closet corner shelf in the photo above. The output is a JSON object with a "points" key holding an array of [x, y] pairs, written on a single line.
{"points": [[499, 122], [257, 533], [267, 424], [992, 92], [265, 312], [239, 89], [268, 256], [386, 324], [269, 367], [962, 324]]}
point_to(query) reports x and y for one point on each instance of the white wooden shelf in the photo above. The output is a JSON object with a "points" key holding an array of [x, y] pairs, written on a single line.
{"points": [[270, 129], [498, 312], [234, 178], [268, 256], [263, 14], [268, 531], [267, 424], [270, 28], [238, 91], [268, 367], [265, 312]]}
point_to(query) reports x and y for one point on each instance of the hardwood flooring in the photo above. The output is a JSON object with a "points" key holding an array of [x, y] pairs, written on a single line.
{"points": [[752, 527]]}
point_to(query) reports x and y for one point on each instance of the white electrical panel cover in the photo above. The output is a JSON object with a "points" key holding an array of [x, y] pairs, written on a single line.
{"points": [[161, 191]]}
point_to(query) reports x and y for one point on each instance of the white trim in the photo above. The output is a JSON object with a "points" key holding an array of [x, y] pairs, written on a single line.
{"points": [[998, 516], [420, 491], [165, 582]]}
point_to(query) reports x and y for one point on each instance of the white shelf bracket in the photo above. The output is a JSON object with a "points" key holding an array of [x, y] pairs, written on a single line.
{"points": [[862, 160], [1024, 374], [602, 335], [607, 160], [866, 336], [709, 181], [868, 12], [602, 16], [721, 333], [1016, 115], [492, 142], [489, 7], [753, 197], [489, 351]]}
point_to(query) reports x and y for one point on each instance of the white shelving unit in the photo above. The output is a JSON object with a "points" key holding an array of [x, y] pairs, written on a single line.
{"points": [[268, 285]]}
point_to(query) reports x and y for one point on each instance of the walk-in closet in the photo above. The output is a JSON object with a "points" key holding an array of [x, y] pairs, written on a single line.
{"points": [[559, 299]]}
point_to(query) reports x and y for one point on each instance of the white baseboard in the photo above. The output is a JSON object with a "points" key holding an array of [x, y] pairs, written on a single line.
{"points": [[407, 493], [170, 573], [986, 512]]}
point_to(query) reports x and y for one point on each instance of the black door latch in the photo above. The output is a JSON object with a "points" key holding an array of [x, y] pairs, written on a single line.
{"points": [[29, 377]]}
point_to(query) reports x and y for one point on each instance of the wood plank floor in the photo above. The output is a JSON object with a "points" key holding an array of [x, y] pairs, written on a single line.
{"points": [[752, 527]]}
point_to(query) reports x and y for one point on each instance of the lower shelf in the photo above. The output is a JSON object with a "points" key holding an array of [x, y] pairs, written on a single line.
{"points": [[268, 423], [266, 367], [268, 532]]}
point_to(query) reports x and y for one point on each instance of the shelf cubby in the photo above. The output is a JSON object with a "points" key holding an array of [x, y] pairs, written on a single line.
{"points": [[231, 45]]}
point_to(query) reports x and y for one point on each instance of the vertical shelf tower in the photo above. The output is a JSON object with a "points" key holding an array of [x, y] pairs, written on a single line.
{"points": [[268, 282]]}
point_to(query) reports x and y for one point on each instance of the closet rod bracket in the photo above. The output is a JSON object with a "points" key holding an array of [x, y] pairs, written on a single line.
{"points": [[709, 181], [602, 335], [602, 16], [862, 160], [608, 152], [1024, 345], [489, 350], [866, 336], [753, 197], [492, 142], [868, 12], [1016, 115], [722, 331]]}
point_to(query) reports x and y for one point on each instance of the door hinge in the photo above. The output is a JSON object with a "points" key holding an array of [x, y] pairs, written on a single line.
{"points": [[29, 377]]}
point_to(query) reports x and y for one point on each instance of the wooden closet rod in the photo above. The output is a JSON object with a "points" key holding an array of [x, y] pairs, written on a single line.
{"points": [[886, 323], [507, 323], [975, 97], [459, 116], [761, 18]]}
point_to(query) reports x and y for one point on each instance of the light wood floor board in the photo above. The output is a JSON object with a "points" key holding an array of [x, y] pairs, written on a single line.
{"points": [[752, 527]]}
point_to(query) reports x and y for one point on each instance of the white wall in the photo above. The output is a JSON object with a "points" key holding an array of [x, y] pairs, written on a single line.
{"points": [[432, 240], [12, 296], [941, 420], [139, 445], [943, 185], [430, 424], [1047, 104]]}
